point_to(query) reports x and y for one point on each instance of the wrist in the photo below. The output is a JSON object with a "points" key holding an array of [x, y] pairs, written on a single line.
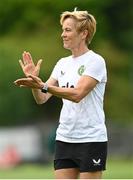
{"points": [[44, 88]]}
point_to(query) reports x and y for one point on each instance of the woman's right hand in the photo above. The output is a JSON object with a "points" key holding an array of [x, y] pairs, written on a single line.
{"points": [[28, 65]]}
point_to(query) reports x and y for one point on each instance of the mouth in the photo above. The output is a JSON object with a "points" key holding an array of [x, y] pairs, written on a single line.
{"points": [[65, 40]]}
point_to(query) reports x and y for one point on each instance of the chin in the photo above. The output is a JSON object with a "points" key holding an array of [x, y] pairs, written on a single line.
{"points": [[66, 46]]}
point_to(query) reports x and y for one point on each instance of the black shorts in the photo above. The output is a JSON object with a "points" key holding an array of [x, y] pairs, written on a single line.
{"points": [[87, 157]]}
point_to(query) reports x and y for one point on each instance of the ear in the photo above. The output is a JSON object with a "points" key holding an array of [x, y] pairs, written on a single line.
{"points": [[84, 34]]}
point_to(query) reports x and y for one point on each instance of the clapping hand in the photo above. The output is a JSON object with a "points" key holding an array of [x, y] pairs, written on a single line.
{"points": [[31, 81], [28, 65]]}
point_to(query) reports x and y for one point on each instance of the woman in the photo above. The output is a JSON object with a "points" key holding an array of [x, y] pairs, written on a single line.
{"points": [[79, 79]]}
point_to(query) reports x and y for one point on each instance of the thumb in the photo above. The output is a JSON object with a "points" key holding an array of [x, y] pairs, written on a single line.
{"points": [[39, 63], [35, 78]]}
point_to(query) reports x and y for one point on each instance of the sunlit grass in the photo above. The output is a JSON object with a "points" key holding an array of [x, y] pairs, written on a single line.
{"points": [[116, 169], [119, 169]]}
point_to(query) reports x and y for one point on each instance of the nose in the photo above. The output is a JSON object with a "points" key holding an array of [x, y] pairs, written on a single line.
{"points": [[63, 34]]}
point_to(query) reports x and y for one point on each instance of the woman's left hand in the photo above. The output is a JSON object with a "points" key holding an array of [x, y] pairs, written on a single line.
{"points": [[31, 81]]}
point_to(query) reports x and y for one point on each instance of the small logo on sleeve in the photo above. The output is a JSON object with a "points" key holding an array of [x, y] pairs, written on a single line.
{"points": [[62, 73]]}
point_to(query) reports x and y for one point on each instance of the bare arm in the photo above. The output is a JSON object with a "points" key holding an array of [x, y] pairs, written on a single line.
{"points": [[40, 97], [76, 94], [83, 87]]}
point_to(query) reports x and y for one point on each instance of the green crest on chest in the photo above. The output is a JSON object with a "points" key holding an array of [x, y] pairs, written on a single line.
{"points": [[81, 70]]}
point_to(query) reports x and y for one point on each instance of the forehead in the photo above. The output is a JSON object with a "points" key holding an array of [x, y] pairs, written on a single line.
{"points": [[69, 22]]}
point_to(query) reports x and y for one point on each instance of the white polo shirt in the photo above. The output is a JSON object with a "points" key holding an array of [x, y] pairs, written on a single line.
{"points": [[83, 121]]}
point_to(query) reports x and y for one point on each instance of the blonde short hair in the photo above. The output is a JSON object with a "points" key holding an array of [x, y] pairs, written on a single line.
{"points": [[85, 21]]}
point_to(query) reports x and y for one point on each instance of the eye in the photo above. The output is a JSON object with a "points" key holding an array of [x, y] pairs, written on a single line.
{"points": [[67, 29]]}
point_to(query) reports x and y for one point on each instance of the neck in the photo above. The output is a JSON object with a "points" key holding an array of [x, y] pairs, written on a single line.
{"points": [[79, 51]]}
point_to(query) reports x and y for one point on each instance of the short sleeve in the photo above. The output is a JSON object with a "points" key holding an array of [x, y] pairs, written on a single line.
{"points": [[56, 70], [97, 70]]}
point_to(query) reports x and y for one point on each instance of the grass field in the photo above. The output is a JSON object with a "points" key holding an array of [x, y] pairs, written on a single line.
{"points": [[116, 169]]}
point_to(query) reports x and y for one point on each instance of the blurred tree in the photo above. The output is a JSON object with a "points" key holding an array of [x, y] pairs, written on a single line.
{"points": [[33, 25], [114, 17], [120, 18]]}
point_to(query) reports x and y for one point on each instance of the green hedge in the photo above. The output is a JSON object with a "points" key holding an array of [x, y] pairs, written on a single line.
{"points": [[34, 26]]}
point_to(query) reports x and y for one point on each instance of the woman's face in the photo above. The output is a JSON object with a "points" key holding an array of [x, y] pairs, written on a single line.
{"points": [[71, 38]]}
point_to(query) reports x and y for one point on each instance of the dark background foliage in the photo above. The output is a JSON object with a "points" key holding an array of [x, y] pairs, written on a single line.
{"points": [[34, 26]]}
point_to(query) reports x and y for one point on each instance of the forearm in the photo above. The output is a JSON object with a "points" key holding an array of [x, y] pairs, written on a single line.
{"points": [[72, 94], [39, 97], [76, 94]]}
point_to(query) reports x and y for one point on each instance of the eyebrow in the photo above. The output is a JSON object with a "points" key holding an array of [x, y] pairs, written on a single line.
{"points": [[66, 28]]}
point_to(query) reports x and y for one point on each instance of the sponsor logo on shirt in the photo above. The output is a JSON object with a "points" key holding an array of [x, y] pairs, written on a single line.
{"points": [[81, 70], [68, 85]]}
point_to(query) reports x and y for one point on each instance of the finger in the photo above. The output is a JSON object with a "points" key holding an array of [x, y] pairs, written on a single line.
{"points": [[21, 64], [38, 65], [32, 76], [35, 78], [16, 84], [26, 58], [39, 62], [23, 86], [29, 57], [22, 80]]}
